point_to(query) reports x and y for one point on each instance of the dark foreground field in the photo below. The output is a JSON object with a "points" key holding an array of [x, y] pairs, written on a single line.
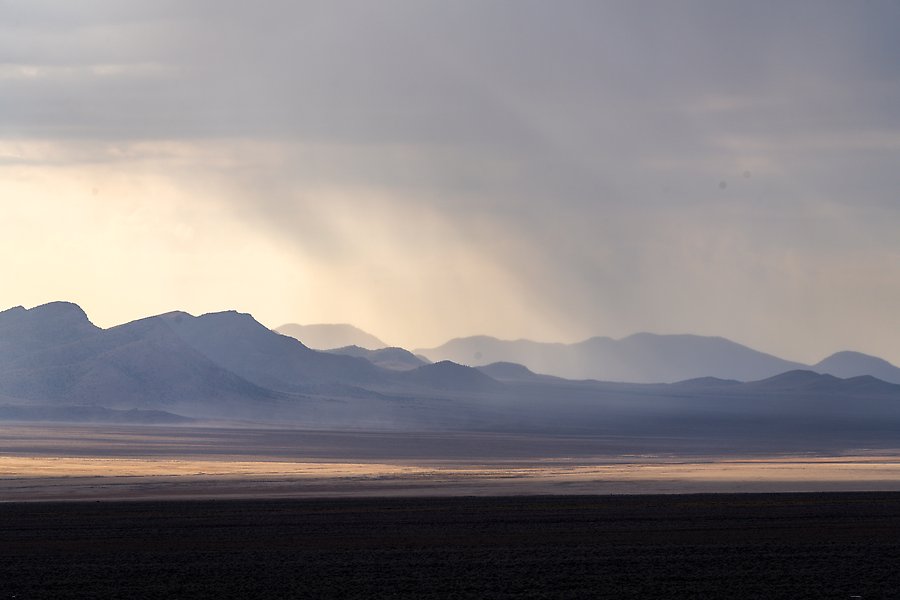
{"points": [[837, 545]]}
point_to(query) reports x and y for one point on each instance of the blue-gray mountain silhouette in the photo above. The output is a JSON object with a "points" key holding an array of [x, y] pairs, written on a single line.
{"points": [[639, 358], [139, 365], [395, 359], [327, 336], [54, 364], [239, 343], [508, 371], [25, 331], [446, 375], [89, 414], [852, 364]]}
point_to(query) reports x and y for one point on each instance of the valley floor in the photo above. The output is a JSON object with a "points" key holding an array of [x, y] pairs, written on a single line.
{"points": [[39, 462]]}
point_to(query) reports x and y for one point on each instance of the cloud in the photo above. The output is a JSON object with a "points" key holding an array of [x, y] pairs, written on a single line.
{"points": [[429, 169]]}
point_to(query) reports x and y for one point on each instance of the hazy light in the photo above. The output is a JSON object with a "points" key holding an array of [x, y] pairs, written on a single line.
{"points": [[426, 170]]}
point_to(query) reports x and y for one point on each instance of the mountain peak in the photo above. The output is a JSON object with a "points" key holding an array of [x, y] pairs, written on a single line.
{"points": [[507, 370], [59, 309], [511, 367], [176, 315], [15, 310], [230, 312], [31, 330], [798, 378], [851, 364], [449, 375], [55, 315], [646, 336], [799, 375], [232, 316], [330, 336], [845, 356]]}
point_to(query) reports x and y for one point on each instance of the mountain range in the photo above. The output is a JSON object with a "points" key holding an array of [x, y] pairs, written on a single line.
{"points": [[170, 368], [650, 358], [216, 366], [639, 358]]}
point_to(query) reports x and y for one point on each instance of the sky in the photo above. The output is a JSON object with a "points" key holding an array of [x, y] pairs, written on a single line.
{"points": [[433, 169]]}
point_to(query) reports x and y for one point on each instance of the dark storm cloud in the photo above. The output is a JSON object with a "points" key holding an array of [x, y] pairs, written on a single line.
{"points": [[433, 71]]}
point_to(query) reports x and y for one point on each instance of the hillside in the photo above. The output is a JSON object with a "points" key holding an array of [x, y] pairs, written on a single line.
{"points": [[395, 359], [331, 336]]}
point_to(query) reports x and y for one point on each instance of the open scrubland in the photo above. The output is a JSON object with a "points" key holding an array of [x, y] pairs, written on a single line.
{"points": [[675, 546]]}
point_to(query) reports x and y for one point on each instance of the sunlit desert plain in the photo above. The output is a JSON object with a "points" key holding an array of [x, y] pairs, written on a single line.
{"points": [[40, 462]]}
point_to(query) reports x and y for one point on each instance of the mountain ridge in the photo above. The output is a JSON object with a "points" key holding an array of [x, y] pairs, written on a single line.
{"points": [[393, 358], [649, 358], [642, 357], [228, 366], [330, 336]]}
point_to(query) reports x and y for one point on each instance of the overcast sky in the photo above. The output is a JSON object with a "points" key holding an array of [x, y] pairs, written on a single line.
{"points": [[426, 170]]}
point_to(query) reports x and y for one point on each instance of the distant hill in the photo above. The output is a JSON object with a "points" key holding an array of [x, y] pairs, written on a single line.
{"points": [[446, 375], [852, 364], [89, 414], [395, 359], [331, 336], [641, 358], [25, 331], [140, 365], [808, 393], [507, 371], [239, 343]]}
